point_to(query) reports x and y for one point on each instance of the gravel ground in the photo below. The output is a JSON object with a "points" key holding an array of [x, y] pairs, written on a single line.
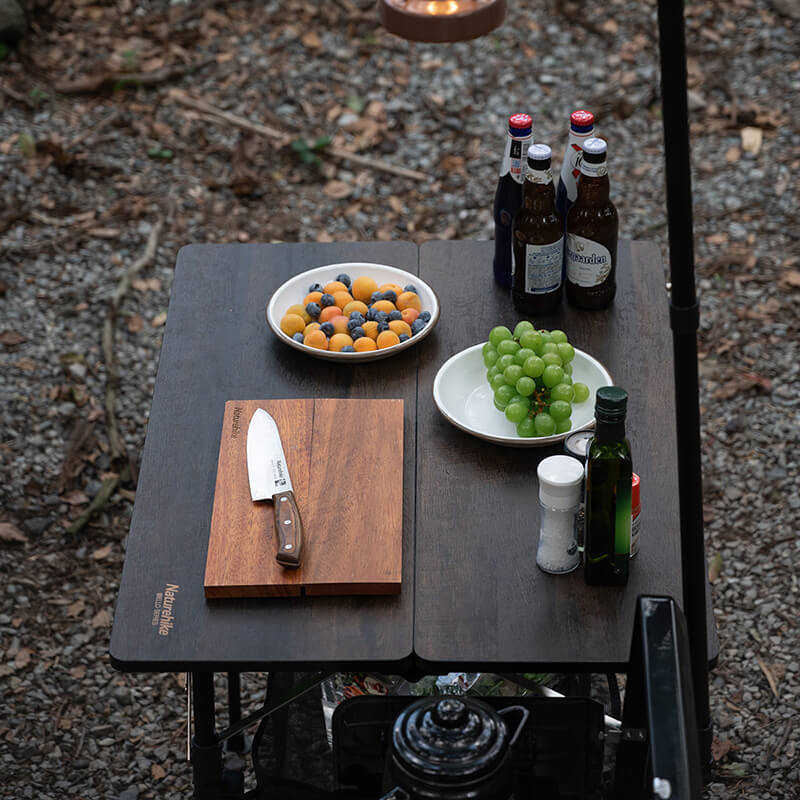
{"points": [[85, 177]]}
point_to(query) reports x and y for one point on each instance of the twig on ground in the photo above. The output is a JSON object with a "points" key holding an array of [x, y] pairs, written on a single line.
{"points": [[98, 502], [87, 133], [15, 95], [769, 676], [284, 138]]}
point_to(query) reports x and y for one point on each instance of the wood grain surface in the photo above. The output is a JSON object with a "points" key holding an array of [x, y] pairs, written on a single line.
{"points": [[328, 444]]}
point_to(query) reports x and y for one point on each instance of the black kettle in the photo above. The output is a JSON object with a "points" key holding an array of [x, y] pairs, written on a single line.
{"points": [[452, 748]]}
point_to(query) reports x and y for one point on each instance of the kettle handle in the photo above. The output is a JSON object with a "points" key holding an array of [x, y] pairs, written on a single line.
{"points": [[525, 714]]}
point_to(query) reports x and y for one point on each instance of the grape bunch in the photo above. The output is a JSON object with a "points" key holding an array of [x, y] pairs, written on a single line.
{"points": [[530, 372]]}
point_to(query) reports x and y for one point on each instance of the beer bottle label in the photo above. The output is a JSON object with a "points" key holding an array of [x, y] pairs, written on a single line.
{"points": [[540, 176], [594, 170], [543, 267], [588, 262], [514, 158]]}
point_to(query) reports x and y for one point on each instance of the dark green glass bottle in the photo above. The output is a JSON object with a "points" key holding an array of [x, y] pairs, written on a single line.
{"points": [[609, 471]]}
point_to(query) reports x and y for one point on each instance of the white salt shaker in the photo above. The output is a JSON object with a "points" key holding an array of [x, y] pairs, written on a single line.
{"points": [[560, 488]]}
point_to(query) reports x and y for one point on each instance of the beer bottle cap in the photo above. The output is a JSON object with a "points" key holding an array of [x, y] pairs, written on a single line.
{"points": [[581, 121], [610, 403], [539, 153], [520, 124], [594, 150]]}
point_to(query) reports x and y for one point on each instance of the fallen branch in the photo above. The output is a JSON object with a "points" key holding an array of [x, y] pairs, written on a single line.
{"points": [[111, 80], [100, 499], [15, 95], [284, 138], [89, 132]]}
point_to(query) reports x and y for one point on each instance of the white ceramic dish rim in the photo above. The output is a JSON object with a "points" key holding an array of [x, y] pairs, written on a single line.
{"points": [[273, 320], [511, 441]]}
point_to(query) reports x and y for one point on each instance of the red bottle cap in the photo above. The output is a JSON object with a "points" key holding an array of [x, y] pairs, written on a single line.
{"points": [[583, 119], [635, 497], [520, 121]]}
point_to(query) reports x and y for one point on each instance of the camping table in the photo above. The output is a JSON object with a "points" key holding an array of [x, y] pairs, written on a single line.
{"points": [[472, 595]]}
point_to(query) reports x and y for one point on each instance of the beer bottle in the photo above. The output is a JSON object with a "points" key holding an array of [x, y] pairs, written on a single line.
{"points": [[508, 197], [592, 228], [581, 128], [609, 471], [538, 239]]}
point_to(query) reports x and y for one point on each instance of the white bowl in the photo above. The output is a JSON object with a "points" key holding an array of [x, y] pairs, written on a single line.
{"points": [[463, 395], [296, 288]]}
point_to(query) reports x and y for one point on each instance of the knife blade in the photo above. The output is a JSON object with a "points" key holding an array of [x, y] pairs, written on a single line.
{"points": [[269, 480]]}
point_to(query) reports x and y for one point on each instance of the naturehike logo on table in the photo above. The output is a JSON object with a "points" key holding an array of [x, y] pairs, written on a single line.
{"points": [[236, 425], [163, 618]]}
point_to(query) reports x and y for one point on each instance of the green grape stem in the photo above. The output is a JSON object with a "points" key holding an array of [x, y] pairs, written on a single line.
{"points": [[540, 401]]}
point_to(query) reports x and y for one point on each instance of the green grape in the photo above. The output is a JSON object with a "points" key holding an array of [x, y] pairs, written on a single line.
{"points": [[566, 351], [487, 346], [561, 391], [560, 409], [549, 347], [522, 326], [504, 361], [526, 386], [581, 392], [492, 371], [533, 367], [522, 355], [512, 374], [567, 367], [499, 334], [547, 337], [545, 425], [552, 376], [490, 356], [499, 406], [519, 398], [516, 412], [526, 428], [507, 346], [503, 395], [566, 379], [558, 336], [497, 381], [563, 425], [531, 340], [552, 358]]}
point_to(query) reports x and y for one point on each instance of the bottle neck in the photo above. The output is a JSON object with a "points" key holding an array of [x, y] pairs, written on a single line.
{"points": [[514, 157], [538, 192], [594, 190], [607, 432]]}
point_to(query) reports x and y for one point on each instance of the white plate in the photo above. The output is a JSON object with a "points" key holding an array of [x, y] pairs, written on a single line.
{"points": [[463, 395], [296, 288]]}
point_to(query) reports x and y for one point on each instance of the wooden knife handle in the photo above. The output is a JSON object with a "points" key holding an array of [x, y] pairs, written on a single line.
{"points": [[289, 528]]}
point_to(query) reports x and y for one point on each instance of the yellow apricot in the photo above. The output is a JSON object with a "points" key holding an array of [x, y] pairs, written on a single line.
{"points": [[387, 339], [339, 324], [312, 297], [398, 326], [364, 344], [329, 312], [312, 326], [409, 300], [393, 287], [371, 329], [300, 310], [338, 341], [384, 305], [355, 305], [334, 286], [317, 339], [363, 288], [292, 324], [341, 299], [409, 315]]}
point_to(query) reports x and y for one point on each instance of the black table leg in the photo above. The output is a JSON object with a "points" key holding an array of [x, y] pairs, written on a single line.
{"points": [[236, 744], [206, 750]]}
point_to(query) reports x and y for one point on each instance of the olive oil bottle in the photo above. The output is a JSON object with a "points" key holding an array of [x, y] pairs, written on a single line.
{"points": [[609, 470]]}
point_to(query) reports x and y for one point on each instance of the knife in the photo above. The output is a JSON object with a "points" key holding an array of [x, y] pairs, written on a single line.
{"points": [[269, 479]]}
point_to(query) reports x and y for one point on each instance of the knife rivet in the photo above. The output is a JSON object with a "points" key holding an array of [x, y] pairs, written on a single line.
{"points": [[284, 499], [287, 522], [287, 547]]}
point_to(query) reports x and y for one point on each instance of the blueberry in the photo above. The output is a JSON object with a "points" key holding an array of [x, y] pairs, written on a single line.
{"points": [[313, 309], [381, 316], [417, 325], [315, 287], [404, 337], [344, 278], [327, 328], [357, 315], [390, 295], [375, 296], [371, 314], [425, 316], [326, 300], [357, 333], [410, 288], [348, 348], [383, 326], [298, 337], [395, 315], [354, 323]]}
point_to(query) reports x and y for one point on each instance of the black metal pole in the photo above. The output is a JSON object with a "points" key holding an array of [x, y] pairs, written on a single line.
{"points": [[206, 751], [684, 320], [236, 743]]}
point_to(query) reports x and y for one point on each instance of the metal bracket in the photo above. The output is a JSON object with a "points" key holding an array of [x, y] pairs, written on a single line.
{"points": [[684, 319]]}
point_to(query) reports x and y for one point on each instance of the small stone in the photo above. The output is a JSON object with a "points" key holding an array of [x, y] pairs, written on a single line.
{"points": [[37, 525], [131, 793]]}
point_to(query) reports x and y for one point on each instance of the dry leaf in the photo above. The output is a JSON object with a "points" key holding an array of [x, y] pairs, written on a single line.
{"points": [[104, 233], [26, 364], [721, 748], [338, 190], [610, 26], [135, 323], [717, 238], [715, 568], [159, 319], [23, 658], [791, 278], [11, 533], [751, 140], [11, 338], [75, 608], [147, 284], [102, 619], [78, 672], [101, 552], [733, 154], [76, 498], [157, 771], [311, 40], [324, 236], [773, 684]]}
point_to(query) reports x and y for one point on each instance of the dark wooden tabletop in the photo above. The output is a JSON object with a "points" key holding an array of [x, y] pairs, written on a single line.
{"points": [[472, 594]]}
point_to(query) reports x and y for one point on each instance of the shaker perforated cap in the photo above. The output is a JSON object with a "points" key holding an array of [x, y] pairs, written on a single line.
{"points": [[560, 479]]}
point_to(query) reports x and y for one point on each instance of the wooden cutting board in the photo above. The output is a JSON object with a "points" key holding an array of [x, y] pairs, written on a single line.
{"points": [[345, 460]]}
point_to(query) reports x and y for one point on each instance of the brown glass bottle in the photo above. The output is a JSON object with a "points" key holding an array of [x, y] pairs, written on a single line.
{"points": [[538, 240], [592, 231]]}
